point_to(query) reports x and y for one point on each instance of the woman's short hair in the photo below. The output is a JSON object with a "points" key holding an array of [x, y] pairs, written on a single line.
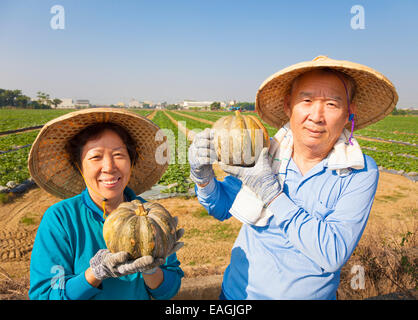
{"points": [[75, 145]]}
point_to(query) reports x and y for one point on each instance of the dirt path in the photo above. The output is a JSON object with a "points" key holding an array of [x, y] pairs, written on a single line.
{"points": [[152, 114], [194, 118]]}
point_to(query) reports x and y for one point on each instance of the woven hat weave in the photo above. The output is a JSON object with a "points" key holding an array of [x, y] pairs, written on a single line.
{"points": [[49, 163], [375, 95]]}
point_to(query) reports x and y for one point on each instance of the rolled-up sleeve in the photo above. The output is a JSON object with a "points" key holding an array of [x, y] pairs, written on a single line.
{"points": [[218, 196]]}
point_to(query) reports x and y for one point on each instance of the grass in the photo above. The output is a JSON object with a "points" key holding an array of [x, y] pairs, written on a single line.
{"points": [[392, 197], [28, 221]]}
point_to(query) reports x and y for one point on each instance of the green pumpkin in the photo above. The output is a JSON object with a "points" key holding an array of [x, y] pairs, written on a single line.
{"points": [[141, 229]]}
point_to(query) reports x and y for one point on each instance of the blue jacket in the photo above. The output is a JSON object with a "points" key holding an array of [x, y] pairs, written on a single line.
{"points": [[69, 235], [316, 224]]}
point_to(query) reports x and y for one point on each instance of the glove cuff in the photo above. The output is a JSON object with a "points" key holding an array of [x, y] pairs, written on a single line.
{"points": [[99, 273], [202, 180], [150, 271]]}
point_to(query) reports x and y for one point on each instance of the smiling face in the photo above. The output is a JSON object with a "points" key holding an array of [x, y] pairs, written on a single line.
{"points": [[318, 111], [105, 165]]}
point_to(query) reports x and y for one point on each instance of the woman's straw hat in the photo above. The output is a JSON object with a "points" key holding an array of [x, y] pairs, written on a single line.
{"points": [[49, 162], [375, 96]]}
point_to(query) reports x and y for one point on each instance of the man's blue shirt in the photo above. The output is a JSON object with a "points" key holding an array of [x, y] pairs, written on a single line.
{"points": [[316, 224]]}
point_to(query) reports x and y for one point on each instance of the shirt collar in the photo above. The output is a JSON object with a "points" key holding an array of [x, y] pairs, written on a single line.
{"points": [[320, 166], [97, 212]]}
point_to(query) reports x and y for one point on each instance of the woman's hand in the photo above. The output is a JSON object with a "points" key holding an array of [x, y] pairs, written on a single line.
{"points": [[105, 264]]}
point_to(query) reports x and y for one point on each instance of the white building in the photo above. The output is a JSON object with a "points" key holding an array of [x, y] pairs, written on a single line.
{"points": [[66, 104], [187, 104], [82, 103], [134, 104]]}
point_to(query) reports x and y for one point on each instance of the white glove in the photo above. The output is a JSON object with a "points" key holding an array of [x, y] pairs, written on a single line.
{"points": [[260, 178], [201, 156]]}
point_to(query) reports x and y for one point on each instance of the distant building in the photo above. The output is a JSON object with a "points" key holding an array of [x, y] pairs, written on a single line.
{"points": [[66, 104], [82, 103], [187, 104], [134, 104], [120, 104]]}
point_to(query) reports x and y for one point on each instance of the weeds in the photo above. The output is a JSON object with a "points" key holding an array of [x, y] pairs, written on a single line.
{"points": [[11, 289], [390, 265]]}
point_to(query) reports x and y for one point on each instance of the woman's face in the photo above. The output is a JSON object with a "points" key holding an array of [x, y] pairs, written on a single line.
{"points": [[106, 166]]}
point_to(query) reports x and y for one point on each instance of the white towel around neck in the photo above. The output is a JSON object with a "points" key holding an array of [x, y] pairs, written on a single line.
{"points": [[248, 208]]}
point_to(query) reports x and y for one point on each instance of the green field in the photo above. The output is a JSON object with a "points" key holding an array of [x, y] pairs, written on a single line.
{"points": [[390, 155]]}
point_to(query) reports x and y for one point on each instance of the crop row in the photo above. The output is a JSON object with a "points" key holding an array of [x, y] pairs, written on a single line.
{"points": [[388, 155], [178, 170], [13, 165], [391, 148], [12, 119], [16, 140]]}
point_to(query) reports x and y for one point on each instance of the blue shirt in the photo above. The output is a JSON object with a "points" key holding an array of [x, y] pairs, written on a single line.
{"points": [[69, 235], [317, 222]]}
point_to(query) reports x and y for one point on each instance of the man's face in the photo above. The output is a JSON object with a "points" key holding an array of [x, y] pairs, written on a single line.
{"points": [[318, 112]]}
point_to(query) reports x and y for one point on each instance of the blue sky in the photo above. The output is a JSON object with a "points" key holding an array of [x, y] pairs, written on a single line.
{"points": [[113, 51]]}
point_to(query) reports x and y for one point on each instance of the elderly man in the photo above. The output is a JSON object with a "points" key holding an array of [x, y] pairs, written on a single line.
{"points": [[305, 203]]}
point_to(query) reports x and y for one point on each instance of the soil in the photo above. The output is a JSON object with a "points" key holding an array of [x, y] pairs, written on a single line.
{"points": [[395, 204]]}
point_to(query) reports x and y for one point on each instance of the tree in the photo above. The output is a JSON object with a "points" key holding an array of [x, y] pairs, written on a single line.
{"points": [[56, 102], [397, 112], [215, 106], [9, 97], [44, 99], [22, 101]]}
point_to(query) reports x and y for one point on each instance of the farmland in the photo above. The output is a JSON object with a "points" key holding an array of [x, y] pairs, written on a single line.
{"points": [[391, 142], [389, 237]]}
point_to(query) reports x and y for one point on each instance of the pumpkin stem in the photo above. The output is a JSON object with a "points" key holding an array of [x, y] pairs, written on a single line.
{"points": [[140, 211]]}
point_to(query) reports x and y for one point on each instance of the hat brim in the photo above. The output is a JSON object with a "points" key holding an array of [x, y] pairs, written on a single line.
{"points": [[375, 95], [49, 163]]}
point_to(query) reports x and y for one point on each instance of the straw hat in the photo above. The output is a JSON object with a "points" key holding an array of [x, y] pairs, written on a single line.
{"points": [[49, 163], [375, 95]]}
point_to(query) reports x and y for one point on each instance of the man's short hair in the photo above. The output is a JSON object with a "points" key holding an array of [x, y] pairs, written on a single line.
{"points": [[348, 80]]}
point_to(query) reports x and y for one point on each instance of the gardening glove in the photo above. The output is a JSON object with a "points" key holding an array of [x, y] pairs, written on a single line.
{"points": [[105, 264], [260, 178], [201, 156], [112, 265], [139, 265], [179, 233]]}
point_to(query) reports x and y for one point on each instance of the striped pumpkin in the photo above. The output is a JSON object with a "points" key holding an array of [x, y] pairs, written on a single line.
{"points": [[239, 139], [141, 229]]}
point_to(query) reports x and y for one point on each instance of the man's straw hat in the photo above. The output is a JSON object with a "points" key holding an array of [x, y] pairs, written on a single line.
{"points": [[375, 95], [49, 163]]}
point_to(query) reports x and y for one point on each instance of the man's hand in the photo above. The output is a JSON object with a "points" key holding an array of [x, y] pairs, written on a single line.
{"points": [[201, 156], [260, 178]]}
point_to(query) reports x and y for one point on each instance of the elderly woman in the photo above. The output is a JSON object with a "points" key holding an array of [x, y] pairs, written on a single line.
{"points": [[95, 159]]}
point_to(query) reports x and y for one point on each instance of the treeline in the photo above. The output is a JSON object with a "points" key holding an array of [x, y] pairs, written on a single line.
{"points": [[402, 112], [15, 98], [245, 105]]}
